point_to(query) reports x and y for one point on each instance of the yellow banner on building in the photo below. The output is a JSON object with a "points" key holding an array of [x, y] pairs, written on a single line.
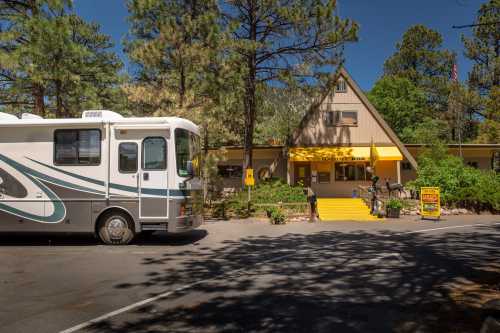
{"points": [[430, 203], [310, 154]]}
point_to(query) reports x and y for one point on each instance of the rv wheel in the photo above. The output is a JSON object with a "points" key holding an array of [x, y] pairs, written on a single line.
{"points": [[115, 229]]}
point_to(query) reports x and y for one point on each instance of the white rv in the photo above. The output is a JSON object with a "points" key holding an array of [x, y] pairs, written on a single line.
{"points": [[102, 173]]}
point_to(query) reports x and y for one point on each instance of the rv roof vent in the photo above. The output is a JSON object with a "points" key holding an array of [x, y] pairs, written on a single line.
{"points": [[27, 115], [7, 116], [102, 114]]}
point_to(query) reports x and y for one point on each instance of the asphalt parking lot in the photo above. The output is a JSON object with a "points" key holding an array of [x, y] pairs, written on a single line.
{"points": [[237, 276]]}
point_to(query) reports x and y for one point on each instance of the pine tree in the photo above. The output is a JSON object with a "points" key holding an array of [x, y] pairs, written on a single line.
{"points": [[483, 48], [178, 49], [420, 58], [52, 60], [282, 41]]}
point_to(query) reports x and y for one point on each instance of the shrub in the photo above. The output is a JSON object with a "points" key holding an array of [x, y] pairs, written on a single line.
{"points": [[276, 215], [394, 203], [460, 185], [273, 191]]}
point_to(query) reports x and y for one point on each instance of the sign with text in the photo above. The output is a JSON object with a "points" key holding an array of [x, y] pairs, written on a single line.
{"points": [[430, 205], [249, 180]]}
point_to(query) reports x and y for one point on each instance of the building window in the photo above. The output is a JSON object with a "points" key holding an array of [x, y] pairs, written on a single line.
{"points": [[77, 147], [324, 177], [341, 86], [350, 172], [406, 166], [154, 153], [330, 118], [341, 118], [230, 171], [127, 157]]}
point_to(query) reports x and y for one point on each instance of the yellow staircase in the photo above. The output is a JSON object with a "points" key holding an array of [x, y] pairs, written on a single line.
{"points": [[344, 209]]}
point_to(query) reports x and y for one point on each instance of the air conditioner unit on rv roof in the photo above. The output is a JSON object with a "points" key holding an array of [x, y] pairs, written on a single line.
{"points": [[101, 114], [27, 115], [7, 116]]}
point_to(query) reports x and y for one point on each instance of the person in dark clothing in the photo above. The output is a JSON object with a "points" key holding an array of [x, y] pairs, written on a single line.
{"points": [[311, 197]]}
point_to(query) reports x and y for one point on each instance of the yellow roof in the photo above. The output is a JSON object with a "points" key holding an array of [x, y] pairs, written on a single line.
{"points": [[343, 154]]}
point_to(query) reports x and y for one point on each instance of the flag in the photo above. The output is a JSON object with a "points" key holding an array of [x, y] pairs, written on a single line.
{"points": [[373, 154], [454, 73]]}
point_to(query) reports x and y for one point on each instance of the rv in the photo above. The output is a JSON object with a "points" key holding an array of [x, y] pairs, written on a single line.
{"points": [[102, 173]]}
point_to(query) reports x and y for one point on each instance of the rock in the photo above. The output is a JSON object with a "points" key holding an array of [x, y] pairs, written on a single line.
{"points": [[463, 211], [413, 212], [445, 212], [455, 211]]}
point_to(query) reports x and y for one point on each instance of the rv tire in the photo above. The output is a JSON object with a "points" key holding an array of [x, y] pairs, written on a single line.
{"points": [[115, 228]]}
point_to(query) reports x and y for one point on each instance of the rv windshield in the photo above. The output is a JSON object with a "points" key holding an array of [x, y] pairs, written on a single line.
{"points": [[187, 149]]}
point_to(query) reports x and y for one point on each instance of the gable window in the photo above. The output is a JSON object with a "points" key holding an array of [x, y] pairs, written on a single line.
{"points": [[341, 86], [77, 147], [341, 118]]}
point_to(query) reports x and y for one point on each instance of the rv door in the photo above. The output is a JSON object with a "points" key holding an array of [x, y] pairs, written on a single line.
{"points": [[153, 179]]}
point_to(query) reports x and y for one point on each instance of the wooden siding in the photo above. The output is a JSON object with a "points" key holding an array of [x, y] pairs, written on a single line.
{"points": [[316, 133]]}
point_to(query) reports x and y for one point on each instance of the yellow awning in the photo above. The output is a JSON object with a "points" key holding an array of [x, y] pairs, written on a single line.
{"points": [[389, 154], [307, 154]]}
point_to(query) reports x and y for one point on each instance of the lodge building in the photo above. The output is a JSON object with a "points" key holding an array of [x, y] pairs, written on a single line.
{"points": [[333, 145]]}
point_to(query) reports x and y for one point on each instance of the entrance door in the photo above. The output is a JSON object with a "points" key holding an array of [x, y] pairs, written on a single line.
{"points": [[302, 174], [153, 179]]}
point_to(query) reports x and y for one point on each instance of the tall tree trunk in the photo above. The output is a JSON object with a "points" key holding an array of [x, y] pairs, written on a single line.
{"points": [[250, 98], [38, 95], [59, 104]]}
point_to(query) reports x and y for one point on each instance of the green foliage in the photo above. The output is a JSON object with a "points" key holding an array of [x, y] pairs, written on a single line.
{"points": [[489, 129], [460, 185], [276, 191], [483, 48], [273, 191], [51, 59], [401, 103], [281, 110], [394, 203], [427, 131], [419, 58], [276, 215], [184, 67]]}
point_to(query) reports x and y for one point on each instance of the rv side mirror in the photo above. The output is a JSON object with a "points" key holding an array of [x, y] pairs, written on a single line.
{"points": [[190, 169]]}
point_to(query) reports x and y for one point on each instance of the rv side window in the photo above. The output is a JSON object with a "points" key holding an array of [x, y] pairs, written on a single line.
{"points": [[127, 152], [77, 147], [154, 153]]}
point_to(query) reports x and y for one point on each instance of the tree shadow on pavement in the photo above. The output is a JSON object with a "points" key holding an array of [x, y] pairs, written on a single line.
{"points": [[325, 282]]}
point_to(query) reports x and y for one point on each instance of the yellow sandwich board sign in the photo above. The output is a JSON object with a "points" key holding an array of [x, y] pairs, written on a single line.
{"points": [[249, 180], [430, 205]]}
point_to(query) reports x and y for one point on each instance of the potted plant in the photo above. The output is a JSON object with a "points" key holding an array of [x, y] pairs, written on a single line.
{"points": [[393, 207]]}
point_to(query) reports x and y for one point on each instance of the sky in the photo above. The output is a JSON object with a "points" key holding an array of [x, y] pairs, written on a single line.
{"points": [[382, 25]]}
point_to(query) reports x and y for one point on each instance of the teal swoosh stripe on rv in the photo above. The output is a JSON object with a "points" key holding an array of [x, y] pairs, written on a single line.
{"points": [[125, 188], [59, 208], [36, 174]]}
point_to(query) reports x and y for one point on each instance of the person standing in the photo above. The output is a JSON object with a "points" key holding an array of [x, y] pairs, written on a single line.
{"points": [[311, 198]]}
